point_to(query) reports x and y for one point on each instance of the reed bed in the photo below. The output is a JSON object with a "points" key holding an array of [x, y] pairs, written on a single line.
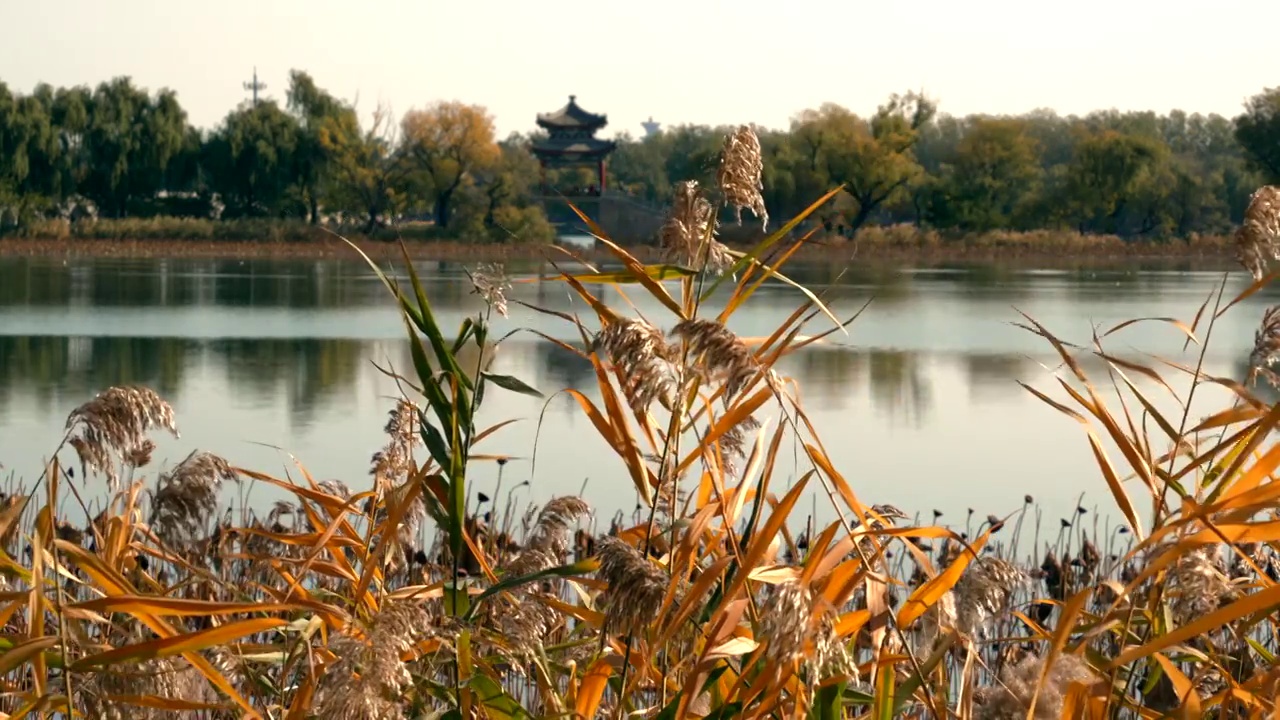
{"points": [[421, 598], [262, 230], [329, 247], [186, 237]]}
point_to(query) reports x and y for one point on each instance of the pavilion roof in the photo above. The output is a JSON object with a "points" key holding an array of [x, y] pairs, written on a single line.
{"points": [[572, 117]]}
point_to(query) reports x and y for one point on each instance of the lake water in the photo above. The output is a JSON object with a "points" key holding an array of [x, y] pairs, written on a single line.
{"points": [[918, 405]]}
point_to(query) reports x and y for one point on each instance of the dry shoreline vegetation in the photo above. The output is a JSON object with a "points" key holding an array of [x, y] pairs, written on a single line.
{"points": [[423, 598], [897, 243]]}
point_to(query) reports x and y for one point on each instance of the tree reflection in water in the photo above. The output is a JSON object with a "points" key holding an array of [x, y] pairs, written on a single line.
{"points": [[57, 371]]}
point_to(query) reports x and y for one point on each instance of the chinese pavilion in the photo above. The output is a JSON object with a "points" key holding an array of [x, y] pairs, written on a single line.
{"points": [[571, 142]]}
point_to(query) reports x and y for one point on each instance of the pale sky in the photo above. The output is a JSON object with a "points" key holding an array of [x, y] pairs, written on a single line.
{"points": [[681, 61]]}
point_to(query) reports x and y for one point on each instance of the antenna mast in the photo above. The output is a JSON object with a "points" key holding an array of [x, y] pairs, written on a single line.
{"points": [[255, 86]]}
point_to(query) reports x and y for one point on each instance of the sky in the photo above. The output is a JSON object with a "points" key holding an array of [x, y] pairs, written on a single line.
{"points": [[679, 61]]}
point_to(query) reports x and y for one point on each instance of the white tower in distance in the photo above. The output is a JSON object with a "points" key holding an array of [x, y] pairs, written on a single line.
{"points": [[650, 127]]}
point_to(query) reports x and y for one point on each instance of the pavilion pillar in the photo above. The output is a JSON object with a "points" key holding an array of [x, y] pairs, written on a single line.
{"points": [[600, 170]]}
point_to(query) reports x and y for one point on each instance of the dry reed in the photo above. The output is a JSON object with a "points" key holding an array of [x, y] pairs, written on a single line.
{"points": [[639, 353], [491, 283], [1258, 238], [368, 675], [688, 236], [739, 175], [719, 356], [113, 427], [326, 608], [1020, 683], [635, 587], [187, 497], [1266, 347]]}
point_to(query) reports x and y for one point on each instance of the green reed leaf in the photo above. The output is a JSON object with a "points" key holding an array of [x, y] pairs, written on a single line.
{"points": [[579, 568], [828, 703], [440, 404], [506, 382], [496, 701], [464, 333], [457, 600], [435, 443]]}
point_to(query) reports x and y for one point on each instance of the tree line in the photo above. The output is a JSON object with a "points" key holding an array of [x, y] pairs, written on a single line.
{"points": [[1131, 174], [119, 151]]}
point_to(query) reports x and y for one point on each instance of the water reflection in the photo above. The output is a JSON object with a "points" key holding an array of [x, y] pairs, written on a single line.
{"points": [[918, 404], [314, 381], [305, 374], [151, 283], [899, 386], [337, 283], [50, 367], [992, 376], [311, 374]]}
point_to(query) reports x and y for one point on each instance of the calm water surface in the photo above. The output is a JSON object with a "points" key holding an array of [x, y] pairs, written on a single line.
{"points": [[919, 405]]}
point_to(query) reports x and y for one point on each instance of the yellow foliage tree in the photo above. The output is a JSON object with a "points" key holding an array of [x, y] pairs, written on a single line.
{"points": [[447, 142]]}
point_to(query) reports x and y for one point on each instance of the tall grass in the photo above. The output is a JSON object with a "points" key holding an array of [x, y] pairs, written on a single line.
{"points": [[511, 224], [419, 597], [246, 237]]}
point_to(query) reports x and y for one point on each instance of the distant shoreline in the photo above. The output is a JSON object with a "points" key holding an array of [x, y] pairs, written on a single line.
{"points": [[1029, 249]]}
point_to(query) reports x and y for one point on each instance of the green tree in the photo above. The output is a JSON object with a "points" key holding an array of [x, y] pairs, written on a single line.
{"points": [[639, 167], [369, 175], [1110, 178], [251, 161], [993, 170], [313, 107], [791, 182], [71, 125], [130, 139], [873, 159], [1258, 132], [28, 151], [693, 154]]}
